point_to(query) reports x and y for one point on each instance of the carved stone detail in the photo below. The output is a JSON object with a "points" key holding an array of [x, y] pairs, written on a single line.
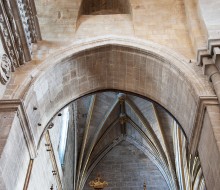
{"points": [[31, 22], [5, 69], [18, 30], [23, 10], [17, 39], [7, 37]]}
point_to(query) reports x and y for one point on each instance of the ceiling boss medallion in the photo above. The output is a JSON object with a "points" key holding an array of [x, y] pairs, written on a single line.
{"points": [[98, 184]]}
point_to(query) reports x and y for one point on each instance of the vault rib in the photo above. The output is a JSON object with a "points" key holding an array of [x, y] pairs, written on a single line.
{"points": [[100, 156], [164, 142], [107, 130], [146, 150], [75, 121], [94, 140], [85, 136], [144, 136], [181, 158], [145, 123], [121, 97], [156, 154]]}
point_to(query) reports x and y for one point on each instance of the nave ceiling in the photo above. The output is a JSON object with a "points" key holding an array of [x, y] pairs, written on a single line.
{"points": [[106, 119], [36, 56]]}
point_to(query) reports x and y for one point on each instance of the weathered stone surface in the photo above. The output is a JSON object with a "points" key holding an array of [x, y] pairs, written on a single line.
{"points": [[209, 10], [68, 64], [209, 147], [15, 156], [103, 68], [126, 167], [168, 23]]}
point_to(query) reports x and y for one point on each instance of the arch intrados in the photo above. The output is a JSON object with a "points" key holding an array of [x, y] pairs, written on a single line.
{"points": [[152, 50], [157, 51]]}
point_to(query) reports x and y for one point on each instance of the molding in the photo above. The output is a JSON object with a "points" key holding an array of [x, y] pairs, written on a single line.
{"points": [[212, 43], [164, 141], [207, 52], [94, 140], [180, 155], [53, 161], [17, 105], [75, 124], [28, 175], [204, 101], [85, 135], [200, 54]]}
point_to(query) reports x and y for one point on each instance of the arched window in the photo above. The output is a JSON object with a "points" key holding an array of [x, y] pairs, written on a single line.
{"points": [[63, 135]]}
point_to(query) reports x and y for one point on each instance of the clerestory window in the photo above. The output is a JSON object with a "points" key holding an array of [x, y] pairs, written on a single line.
{"points": [[63, 134]]}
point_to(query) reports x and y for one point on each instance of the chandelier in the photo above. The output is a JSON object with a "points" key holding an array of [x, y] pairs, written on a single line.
{"points": [[98, 184], [145, 186]]}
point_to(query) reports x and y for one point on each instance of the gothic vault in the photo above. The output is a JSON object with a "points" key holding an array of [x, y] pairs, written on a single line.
{"points": [[125, 90]]}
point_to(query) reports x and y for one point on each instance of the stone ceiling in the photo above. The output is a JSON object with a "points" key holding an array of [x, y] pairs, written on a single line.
{"points": [[106, 119]]}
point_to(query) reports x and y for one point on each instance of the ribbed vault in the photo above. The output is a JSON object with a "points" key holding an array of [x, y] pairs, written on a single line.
{"points": [[106, 119]]}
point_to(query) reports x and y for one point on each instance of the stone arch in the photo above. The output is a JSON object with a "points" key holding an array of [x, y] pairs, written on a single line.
{"points": [[115, 63]]}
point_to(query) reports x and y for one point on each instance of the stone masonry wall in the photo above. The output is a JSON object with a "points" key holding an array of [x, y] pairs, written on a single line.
{"points": [[14, 158], [42, 176], [208, 148], [126, 168]]}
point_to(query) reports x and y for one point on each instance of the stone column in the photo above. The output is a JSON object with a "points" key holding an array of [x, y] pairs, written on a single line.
{"points": [[209, 147]]}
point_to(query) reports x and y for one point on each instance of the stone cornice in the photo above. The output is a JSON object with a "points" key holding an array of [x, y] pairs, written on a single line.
{"points": [[212, 43], [209, 51], [17, 105]]}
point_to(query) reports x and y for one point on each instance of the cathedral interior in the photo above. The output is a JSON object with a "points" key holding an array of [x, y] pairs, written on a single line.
{"points": [[109, 94]]}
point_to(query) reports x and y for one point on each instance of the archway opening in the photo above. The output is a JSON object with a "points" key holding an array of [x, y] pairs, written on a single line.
{"points": [[135, 67], [119, 68], [115, 129]]}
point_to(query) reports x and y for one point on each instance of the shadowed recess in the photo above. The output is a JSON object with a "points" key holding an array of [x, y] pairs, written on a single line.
{"points": [[104, 7]]}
